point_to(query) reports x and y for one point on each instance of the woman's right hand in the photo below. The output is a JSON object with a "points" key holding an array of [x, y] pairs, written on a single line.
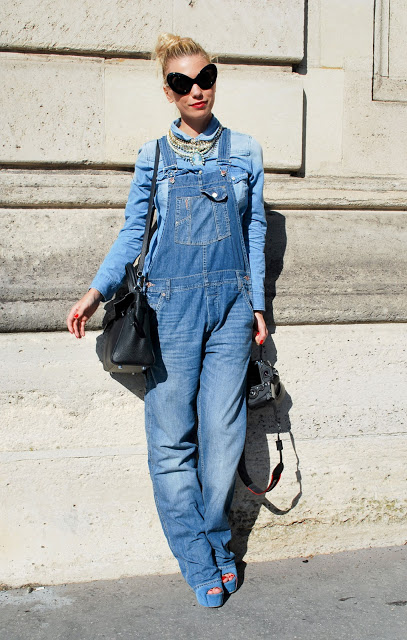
{"points": [[82, 311]]}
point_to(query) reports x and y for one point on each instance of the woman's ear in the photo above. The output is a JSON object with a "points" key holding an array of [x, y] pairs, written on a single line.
{"points": [[168, 93]]}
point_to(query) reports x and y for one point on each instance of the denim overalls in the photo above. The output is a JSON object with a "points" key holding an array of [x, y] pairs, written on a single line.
{"points": [[199, 287]]}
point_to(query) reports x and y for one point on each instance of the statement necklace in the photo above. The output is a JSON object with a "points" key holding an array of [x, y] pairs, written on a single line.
{"points": [[194, 150]]}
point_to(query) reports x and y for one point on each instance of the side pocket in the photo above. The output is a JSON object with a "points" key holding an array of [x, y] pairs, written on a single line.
{"points": [[155, 299], [245, 288]]}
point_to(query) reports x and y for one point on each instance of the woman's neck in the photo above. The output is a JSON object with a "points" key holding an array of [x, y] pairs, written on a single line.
{"points": [[194, 128]]}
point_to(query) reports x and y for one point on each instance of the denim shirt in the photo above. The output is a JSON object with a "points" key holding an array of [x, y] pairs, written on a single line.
{"points": [[247, 174]]}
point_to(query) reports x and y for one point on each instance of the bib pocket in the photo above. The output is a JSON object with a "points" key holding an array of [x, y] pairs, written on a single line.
{"points": [[202, 219]]}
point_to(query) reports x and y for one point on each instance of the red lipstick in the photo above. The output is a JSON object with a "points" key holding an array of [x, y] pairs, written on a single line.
{"points": [[198, 105]]}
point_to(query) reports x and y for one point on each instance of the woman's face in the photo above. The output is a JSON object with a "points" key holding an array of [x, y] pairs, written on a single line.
{"points": [[198, 103]]}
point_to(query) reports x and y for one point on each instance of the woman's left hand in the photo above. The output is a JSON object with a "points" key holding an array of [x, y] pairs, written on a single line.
{"points": [[260, 331]]}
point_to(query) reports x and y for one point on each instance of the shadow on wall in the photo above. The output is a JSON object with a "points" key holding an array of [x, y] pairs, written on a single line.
{"points": [[260, 457], [259, 460]]}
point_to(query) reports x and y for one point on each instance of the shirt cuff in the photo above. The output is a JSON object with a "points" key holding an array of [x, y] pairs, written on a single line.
{"points": [[106, 288], [258, 301]]}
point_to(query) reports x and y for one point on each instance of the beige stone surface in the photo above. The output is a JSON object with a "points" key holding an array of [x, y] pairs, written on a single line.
{"points": [[88, 188], [374, 131], [322, 266], [275, 114], [45, 276], [397, 42], [336, 266], [390, 69], [313, 39], [259, 29], [66, 109], [372, 128], [137, 110], [345, 32], [121, 27], [336, 192], [77, 500], [324, 121], [111, 26], [135, 106], [91, 188], [51, 109], [339, 34]]}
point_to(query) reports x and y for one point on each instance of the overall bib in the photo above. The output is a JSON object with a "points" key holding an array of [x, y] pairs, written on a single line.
{"points": [[199, 288]]}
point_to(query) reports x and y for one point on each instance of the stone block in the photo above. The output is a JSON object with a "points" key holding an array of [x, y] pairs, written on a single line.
{"points": [[324, 121], [137, 109], [84, 110], [275, 116], [334, 192], [397, 40], [77, 502], [345, 32], [255, 29], [64, 188], [358, 277], [390, 67], [52, 109], [108, 189], [45, 276], [84, 26], [233, 27], [336, 266], [374, 132]]}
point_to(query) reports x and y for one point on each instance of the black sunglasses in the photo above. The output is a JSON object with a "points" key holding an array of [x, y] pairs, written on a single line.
{"points": [[183, 84]]}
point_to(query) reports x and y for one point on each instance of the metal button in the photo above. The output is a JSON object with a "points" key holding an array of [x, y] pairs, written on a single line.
{"points": [[163, 294], [200, 171], [233, 178], [214, 195]]}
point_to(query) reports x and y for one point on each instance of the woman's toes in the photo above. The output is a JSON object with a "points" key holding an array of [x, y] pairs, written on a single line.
{"points": [[227, 577], [214, 590]]}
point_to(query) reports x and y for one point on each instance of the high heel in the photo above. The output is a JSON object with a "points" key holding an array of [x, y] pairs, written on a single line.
{"points": [[230, 585], [210, 599]]}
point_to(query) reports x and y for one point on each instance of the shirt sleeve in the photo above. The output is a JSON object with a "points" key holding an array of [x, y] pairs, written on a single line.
{"points": [[255, 226], [128, 244]]}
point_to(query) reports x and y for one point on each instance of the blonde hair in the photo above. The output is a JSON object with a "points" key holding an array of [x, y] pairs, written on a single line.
{"points": [[170, 46]]}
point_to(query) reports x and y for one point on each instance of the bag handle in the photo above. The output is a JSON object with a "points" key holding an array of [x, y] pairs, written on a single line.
{"points": [[131, 277], [149, 218]]}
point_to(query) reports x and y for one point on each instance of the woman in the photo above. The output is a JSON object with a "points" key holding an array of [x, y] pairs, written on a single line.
{"points": [[205, 286]]}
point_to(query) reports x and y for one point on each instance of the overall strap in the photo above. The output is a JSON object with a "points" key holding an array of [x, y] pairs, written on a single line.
{"points": [[224, 147], [149, 219], [168, 155]]}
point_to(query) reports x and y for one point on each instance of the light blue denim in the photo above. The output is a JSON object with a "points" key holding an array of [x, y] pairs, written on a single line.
{"points": [[246, 171], [199, 287]]}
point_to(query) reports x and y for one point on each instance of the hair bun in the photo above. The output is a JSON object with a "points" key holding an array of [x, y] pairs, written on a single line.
{"points": [[165, 43], [171, 46]]}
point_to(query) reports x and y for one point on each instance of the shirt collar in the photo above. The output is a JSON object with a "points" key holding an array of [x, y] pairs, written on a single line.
{"points": [[208, 134]]}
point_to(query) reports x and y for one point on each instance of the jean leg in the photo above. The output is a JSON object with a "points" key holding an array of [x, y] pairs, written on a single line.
{"points": [[170, 404], [222, 416]]}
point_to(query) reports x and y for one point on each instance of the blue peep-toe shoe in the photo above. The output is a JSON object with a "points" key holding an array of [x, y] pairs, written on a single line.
{"points": [[230, 585], [210, 599]]}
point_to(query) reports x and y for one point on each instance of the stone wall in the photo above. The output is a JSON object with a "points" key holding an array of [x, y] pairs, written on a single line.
{"points": [[321, 85]]}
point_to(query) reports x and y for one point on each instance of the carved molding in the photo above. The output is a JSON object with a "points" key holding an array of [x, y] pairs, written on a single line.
{"points": [[93, 189], [388, 84]]}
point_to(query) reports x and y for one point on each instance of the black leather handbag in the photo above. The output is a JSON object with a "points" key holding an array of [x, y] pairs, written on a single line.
{"points": [[127, 346]]}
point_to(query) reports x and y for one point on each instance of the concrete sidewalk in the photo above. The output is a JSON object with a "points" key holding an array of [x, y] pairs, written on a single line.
{"points": [[356, 595]]}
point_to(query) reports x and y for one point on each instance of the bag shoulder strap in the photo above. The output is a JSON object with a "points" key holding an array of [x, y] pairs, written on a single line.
{"points": [[150, 213]]}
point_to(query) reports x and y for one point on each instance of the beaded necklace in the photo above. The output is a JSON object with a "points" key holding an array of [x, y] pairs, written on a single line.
{"points": [[194, 150]]}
